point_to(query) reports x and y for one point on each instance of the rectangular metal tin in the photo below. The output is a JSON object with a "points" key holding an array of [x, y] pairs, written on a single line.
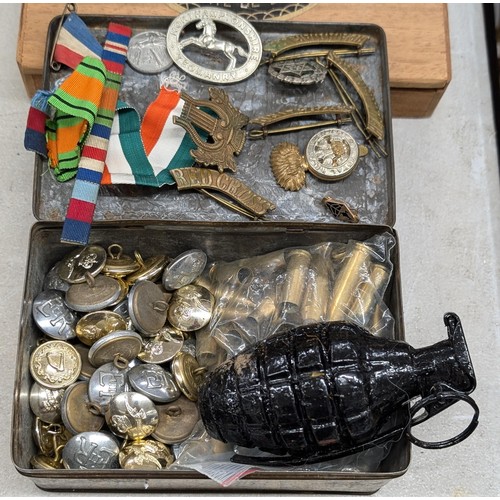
{"points": [[369, 189], [165, 221], [225, 241]]}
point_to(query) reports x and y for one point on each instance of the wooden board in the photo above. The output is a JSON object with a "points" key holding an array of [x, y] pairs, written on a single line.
{"points": [[417, 41]]}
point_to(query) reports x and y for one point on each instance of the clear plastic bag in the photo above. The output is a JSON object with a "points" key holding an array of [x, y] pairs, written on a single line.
{"points": [[262, 296]]}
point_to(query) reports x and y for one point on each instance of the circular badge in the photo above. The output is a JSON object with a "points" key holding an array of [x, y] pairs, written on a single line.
{"points": [[147, 52], [239, 60], [332, 154]]}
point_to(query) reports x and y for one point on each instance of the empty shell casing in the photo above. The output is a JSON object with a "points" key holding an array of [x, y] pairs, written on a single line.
{"points": [[368, 294], [297, 269], [350, 276], [317, 292]]}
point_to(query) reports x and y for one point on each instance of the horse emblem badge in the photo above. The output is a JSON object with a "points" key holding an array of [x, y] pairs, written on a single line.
{"points": [[236, 60]]}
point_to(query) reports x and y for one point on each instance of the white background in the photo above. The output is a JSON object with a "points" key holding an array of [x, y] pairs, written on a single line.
{"points": [[448, 221]]}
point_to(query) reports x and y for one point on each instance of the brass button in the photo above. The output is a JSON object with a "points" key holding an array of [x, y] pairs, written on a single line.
{"points": [[176, 420], [95, 294], [55, 364], [97, 324], [76, 411], [163, 347], [118, 264], [147, 307], [188, 374], [145, 454], [190, 308], [150, 268], [46, 403], [82, 261]]}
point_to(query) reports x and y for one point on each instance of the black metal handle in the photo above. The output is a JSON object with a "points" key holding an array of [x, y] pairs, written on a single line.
{"points": [[443, 399]]}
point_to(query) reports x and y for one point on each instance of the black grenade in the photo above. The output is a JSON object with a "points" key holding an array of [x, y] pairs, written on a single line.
{"points": [[327, 390]]}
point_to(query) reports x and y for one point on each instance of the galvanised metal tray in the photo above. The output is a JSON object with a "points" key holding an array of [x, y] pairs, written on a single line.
{"points": [[369, 189], [227, 241]]}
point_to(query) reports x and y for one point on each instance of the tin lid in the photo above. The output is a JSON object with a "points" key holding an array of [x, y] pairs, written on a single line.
{"points": [[368, 190]]}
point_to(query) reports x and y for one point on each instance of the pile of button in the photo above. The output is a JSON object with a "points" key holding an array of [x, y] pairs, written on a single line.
{"points": [[115, 374]]}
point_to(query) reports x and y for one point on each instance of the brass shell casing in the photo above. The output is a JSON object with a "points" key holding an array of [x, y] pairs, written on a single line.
{"points": [[317, 292], [298, 262], [362, 306], [348, 279]]}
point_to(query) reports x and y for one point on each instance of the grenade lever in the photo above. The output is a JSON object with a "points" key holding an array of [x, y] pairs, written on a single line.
{"points": [[440, 399]]}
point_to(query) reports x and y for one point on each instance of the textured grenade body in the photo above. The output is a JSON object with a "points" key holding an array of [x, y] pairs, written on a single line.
{"points": [[316, 388]]}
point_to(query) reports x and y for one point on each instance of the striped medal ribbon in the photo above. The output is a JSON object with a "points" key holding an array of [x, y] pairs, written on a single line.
{"points": [[81, 207]]}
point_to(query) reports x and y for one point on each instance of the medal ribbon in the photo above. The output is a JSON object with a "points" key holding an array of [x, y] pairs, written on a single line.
{"points": [[76, 103], [145, 154], [80, 213]]}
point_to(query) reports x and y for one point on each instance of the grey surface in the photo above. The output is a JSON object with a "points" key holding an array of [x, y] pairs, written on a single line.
{"points": [[448, 221]]}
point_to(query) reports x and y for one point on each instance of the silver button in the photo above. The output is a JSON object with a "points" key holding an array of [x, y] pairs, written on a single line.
{"points": [[91, 450], [46, 403], [106, 382], [131, 415], [154, 382], [53, 316], [184, 269]]}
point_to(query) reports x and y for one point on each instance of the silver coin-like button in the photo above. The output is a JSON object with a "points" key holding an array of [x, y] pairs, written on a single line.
{"points": [[82, 261], [154, 382], [46, 403], [107, 381], [52, 280], [131, 415], [184, 269], [147, 307], [91, 450], [147, 52], [97, 294], [190, 308], [118, 347], [53, 316]]}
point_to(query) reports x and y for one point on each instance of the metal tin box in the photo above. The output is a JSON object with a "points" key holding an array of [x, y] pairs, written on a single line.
{"points": [[166, 221]]}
